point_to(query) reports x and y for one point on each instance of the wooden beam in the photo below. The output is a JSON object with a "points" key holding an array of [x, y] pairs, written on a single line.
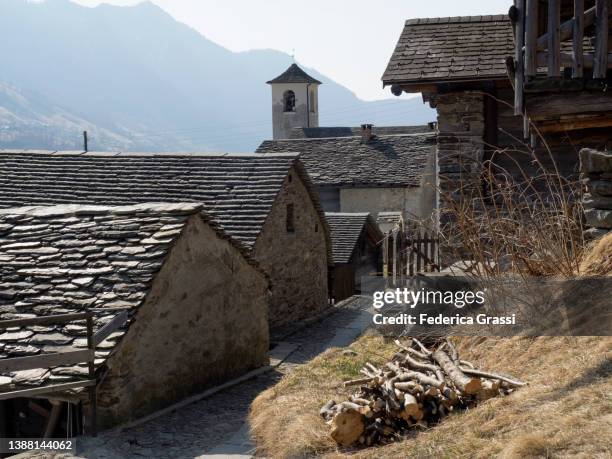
{"points": [[45, 320], [562, 125], [56, 410], [93, 399], [46, 360], [110, 327], [566, 29], [26, 393], [600, 64], [554, 45], [577, 39], [567, 59], [519, 58], [554, 105], [531, 37]]}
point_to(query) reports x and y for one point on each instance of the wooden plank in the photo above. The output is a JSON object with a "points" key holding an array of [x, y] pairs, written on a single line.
{"points": [[566, 29], [577, 39], [554, 44], [411, 258], [110, 327], [600, 64], [52, 422], [432, 253], [93, 402], [561, 125], [45, 320], [567, 59], [46, 360], [519, 59], [45, 390], [531, 37], [552, 105]]}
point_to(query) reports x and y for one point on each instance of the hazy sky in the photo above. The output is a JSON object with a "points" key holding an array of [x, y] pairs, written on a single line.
{"points": [[350, 41]]}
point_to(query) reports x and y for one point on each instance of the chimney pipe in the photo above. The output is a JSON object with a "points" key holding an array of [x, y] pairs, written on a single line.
{"points": [[366, 132]]}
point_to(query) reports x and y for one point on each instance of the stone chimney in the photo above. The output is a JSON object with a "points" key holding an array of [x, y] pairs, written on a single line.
{"points": [[366, 133]]}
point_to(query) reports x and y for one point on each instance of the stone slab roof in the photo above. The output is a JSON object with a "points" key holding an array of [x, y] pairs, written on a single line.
{"points": [[345, 229], [384, 161], [294, 74], [66, 259], [450, 49], [237, 190], [339, 131]]}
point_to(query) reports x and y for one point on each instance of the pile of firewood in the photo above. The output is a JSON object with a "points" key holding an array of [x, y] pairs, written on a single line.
{"points": [[416, 389]]}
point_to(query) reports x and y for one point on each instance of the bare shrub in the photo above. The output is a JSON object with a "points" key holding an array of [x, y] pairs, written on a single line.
{"points": [[525, 223]]}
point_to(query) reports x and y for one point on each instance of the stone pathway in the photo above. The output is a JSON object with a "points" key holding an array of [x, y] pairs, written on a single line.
{"points": [[216, 426]]}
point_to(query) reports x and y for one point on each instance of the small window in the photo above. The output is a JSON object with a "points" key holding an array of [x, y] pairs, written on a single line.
{"points": [[289, 178], [290, 219], [316, 227], [289, 101], [313, 107]]}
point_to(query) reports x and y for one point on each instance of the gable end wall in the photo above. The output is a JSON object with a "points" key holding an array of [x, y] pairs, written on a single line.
{"points": [[203, 322]]}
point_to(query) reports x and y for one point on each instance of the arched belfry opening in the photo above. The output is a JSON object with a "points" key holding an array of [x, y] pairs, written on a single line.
{"points": [[294, 102], [289, 101]]}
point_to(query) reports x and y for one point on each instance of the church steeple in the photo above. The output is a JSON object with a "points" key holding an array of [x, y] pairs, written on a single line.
{"points": [[295, 101]]}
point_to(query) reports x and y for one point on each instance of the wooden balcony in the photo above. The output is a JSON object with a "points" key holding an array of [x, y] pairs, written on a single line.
{"points": [[561, 63]]}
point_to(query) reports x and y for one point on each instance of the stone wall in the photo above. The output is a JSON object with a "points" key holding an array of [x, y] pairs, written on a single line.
{"points": [[460, 144], [596, 170], [460, 153], [203, 322], [295, 261]]}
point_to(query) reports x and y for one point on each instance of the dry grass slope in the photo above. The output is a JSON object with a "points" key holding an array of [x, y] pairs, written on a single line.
{"points": [[566, 411], [598, 260]]}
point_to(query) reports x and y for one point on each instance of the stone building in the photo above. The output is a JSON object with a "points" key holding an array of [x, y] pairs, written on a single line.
{"points": [[265, 202], [178, 279], [461, 66], [295, 101], [369, 173], [356, 246]]}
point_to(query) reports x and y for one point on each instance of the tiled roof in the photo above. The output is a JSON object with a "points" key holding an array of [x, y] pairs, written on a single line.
{"points": [[322, 132], [294, 74], [345, 230], [450, 49], [66, 259], [237, 190], [385, 161]]}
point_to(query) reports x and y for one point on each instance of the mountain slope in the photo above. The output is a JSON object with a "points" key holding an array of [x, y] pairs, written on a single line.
{"points": [[147, 81]]}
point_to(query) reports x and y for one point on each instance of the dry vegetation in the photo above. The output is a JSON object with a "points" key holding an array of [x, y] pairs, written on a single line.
{"points": [[565, 411]]}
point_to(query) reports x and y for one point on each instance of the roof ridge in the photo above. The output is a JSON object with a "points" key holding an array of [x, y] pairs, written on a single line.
{"points": [[86, 209], [125, 154], [344, 137], [458, 19]]}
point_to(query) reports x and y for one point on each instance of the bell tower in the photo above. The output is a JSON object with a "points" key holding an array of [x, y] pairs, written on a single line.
{"points": [[295, 102]]}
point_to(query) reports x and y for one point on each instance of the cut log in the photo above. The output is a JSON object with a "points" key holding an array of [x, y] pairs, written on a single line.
{"points": [[327, 411], [411, 406], [486, 374], [347, 427], [465, 384], [409, 386], [411, 351]]}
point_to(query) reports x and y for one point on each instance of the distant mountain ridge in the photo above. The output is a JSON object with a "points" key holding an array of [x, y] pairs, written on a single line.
{"points": [[137, 79]]}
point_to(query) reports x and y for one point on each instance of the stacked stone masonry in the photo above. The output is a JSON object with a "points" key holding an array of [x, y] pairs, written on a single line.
{"points": [[596, 169]]}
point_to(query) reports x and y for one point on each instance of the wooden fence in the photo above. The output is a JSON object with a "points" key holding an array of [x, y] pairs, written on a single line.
{"points": [[62, 358], [411, 250]]}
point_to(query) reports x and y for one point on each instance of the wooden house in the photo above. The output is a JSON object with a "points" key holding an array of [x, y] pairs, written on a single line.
{"points": [[110, 313], [467, 68], [266, 203], [356, 247]]}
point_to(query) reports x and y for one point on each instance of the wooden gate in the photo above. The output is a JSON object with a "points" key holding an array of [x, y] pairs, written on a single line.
{"points": [[409, 250], [421, 252]]}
